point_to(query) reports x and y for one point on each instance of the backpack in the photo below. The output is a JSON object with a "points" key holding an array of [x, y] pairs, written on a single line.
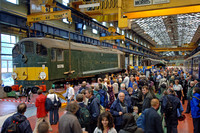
{"points": [[164, 84], [48, 104], [169, 107], [103, 98], [84, 116], [13, 127], [56, 103]]}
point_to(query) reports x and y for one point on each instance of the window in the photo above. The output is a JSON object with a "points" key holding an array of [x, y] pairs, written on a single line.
{"points": [[13, 1], [122, 32], [65, 21], [118, 30], [53, 54], [104, 23], [27, 47], [7, 43], [94, 31], [131, 37], [41, 50], [60, 55], [15, 51], [94, 20], [127, 35], [65, 2], [84, 27]]}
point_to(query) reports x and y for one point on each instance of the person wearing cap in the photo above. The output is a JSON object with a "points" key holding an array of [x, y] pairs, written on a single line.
{"points": [[69, 92]]}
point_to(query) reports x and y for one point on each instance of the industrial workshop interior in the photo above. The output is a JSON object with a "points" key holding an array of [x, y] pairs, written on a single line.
{"points": [[100, 66]]}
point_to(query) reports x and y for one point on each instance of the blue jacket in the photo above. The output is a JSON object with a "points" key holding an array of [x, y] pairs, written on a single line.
{"points": [[153, 122], [115, 109], [195, 109], [94, 108], [24, 125]]}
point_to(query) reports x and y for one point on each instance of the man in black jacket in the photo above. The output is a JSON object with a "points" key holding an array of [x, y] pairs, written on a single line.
{"points": [[147, 98], [94, 108], [23, 123], [153, 122]]}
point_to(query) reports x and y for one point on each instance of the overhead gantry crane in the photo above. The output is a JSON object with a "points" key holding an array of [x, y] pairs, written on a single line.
{"points": [[125, 10], [122, 11]]}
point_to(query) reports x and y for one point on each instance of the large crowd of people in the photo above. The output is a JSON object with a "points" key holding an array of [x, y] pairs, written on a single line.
{"points": [[125, 103]]}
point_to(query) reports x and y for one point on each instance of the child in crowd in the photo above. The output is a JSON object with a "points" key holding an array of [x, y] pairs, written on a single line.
{"points": [[43, 127], [135, 112]]}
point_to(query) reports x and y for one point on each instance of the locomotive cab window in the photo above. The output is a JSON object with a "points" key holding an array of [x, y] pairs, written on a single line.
{"points": [[41, 50], [60, 56], [27, 47], [16, 51], [53, 54]]}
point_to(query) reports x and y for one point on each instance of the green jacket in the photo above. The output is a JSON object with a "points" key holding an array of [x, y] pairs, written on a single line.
{"points": [[190, 93]]}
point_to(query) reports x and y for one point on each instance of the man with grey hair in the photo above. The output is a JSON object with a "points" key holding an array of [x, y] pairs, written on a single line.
{"points": [[123, 89], [118, 109], [69, 123], [189, 96]]}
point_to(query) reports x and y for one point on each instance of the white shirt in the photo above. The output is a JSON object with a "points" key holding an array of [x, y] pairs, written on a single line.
{"points": [[116, 88], [158, 78], [126, 81], [178, 87], [70, 92], [112, 130], [85, 101], [51, 96]]}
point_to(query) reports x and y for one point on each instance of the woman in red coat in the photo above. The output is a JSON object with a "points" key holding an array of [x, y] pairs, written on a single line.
{"points": [[41, 112]]}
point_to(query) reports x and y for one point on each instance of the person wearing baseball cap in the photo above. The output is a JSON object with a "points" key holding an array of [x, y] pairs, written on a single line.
{"points": [[69, 92]]}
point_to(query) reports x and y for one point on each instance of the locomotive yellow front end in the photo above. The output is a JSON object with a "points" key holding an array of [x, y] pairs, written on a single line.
{"points": [[30, 70]]}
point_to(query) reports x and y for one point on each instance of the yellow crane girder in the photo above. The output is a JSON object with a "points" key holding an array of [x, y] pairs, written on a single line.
{"points": [[33, 18], [114, 10], [120, 37], [174, 49]]}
